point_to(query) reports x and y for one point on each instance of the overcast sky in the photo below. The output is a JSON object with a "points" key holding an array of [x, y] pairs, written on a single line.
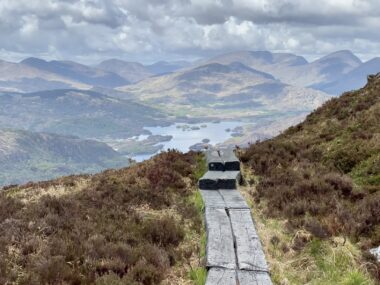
{"points": [[150, 30]]}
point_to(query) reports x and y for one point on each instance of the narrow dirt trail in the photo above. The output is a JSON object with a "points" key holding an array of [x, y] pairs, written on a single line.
{"points": [[234, 254]]}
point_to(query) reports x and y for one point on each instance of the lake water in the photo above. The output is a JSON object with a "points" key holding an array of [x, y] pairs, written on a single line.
{"points": [[183, 138]]}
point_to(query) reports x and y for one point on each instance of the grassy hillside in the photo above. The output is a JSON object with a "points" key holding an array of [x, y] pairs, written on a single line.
{"points": [[322, 178], [86, 114], [138, 225], [28, 156]]}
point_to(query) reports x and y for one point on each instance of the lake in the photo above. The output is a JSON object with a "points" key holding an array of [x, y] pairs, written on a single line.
{"points": [[185, 135]]}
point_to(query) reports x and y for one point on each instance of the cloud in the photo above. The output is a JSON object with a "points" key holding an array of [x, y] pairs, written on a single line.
{"points": [[149, 30]]}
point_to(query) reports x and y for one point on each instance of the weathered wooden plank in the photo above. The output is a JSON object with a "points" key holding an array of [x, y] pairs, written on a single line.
{"points": [[253, 278], [249, 251], [221, 276], [231, 162], [213, 199], [233, 199], [214, 161], [241, 220], [214, 180], [220, 250]]}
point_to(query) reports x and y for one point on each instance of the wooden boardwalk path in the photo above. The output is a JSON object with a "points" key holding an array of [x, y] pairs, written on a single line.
{"points": [[234, 255]]}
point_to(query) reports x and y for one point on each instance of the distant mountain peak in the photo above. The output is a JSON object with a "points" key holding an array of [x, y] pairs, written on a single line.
{"points": [[343, 55], [119, 62], [375, 59], [218, 67], [131, 71], [163, 67], [215, 68], [33, 60]]}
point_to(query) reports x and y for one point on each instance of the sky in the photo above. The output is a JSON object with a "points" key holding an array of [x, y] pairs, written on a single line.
{"points": [[89, 31]]}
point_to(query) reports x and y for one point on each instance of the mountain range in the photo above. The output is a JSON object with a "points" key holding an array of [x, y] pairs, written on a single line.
{"points": [[297, 71], [326, 74], [35, 74], [224, 90]]}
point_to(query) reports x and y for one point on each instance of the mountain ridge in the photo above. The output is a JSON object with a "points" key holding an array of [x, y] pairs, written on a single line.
{"points": [[34, 74], [233, 88], [84, 113], [78, 72], [352, 79], [131, 71]]}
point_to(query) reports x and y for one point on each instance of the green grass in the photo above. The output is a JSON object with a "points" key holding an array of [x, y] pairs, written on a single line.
{"points": [[201, 168], [198, 201], [200, 206], [355, 278], [318, 262], [199, 274], [368, 171], [335, 265], [321, 262]]}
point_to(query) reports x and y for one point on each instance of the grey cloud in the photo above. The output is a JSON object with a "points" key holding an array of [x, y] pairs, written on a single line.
{"points": [[154, 29], [281, 11]]}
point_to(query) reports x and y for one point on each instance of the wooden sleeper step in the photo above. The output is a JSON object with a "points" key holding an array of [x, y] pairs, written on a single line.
{"points": [[222, 160], [223, 199], [214, 180]]}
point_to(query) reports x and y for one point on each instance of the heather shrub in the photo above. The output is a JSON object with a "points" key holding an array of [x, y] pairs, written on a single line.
{"points": [[113, 279], [164, 231], [8, 206], [145, 273], [98, 235]]}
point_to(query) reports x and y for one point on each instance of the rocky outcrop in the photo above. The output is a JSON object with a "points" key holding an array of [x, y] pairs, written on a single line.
{"points": [[375, 252]]}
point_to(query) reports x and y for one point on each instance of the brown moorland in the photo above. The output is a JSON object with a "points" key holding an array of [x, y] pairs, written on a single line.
{"points": [[128, 226], [323, 175]]}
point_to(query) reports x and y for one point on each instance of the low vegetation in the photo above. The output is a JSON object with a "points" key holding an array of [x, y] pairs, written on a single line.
{"points": [[32, 156], [138, 225], [322, 177], [198, 274]]}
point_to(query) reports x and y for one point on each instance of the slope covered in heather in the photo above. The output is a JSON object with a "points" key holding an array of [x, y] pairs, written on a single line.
{"points": [[323, 175], [136, 226]]}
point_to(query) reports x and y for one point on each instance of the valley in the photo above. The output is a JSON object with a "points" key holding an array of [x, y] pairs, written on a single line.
{"points": [[138, 109]]}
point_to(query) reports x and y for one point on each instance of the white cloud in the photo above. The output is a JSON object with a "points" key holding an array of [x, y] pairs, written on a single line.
{"points": [[29, 26], [153, 29]]}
